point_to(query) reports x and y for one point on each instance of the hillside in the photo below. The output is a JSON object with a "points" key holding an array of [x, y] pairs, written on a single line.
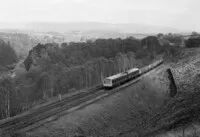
{"points": [[50, 69], [181, 114]]}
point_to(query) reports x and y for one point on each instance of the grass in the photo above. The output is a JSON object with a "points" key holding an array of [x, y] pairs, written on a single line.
{"points": [[183, 110]]}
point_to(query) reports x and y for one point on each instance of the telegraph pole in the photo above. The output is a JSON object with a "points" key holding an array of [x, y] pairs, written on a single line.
{"points": [[154, 52]]}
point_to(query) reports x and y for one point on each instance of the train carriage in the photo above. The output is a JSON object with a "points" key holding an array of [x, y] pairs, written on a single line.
{"points": [[114, 80], [133, 73], [120, 78]]}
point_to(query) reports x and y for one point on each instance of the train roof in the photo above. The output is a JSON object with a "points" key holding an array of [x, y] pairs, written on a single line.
{"points": [[122, 74], [116, 76], [132, 70]]}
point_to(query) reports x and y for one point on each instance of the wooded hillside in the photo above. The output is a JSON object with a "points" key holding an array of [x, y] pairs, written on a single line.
{"points": [[52, 69]]}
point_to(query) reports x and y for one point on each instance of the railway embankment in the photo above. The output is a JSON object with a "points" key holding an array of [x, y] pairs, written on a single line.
{"points": [[118, 114], [181, 115]]}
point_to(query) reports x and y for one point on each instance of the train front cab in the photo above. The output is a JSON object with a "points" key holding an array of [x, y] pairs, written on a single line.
{"points": [[110, 83], [107, 83]]}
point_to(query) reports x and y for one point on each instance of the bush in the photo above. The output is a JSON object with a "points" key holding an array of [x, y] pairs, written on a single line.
{"points": [[193, 42]]}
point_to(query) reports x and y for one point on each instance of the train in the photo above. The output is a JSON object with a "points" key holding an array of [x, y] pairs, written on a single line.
{"points": [[121, 78]]}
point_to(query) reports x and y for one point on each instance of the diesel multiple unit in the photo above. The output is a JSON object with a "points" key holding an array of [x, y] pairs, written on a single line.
{"points": [[123, 77]]}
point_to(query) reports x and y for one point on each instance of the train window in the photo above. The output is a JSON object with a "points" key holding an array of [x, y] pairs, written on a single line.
{"points": [[106, 81]]}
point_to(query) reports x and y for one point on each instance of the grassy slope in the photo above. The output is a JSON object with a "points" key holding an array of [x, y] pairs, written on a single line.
{"points": [[187, 74], [186, 68]]}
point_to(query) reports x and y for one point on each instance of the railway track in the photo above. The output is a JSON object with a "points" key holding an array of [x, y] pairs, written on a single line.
{"points": [[33, 118], [44, 112]]}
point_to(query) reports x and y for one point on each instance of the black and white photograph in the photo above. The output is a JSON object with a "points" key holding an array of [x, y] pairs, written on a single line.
{"points": [[99, 68]]}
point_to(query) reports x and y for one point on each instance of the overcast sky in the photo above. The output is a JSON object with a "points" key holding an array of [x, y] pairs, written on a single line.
{"points": [[181, 14]]}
